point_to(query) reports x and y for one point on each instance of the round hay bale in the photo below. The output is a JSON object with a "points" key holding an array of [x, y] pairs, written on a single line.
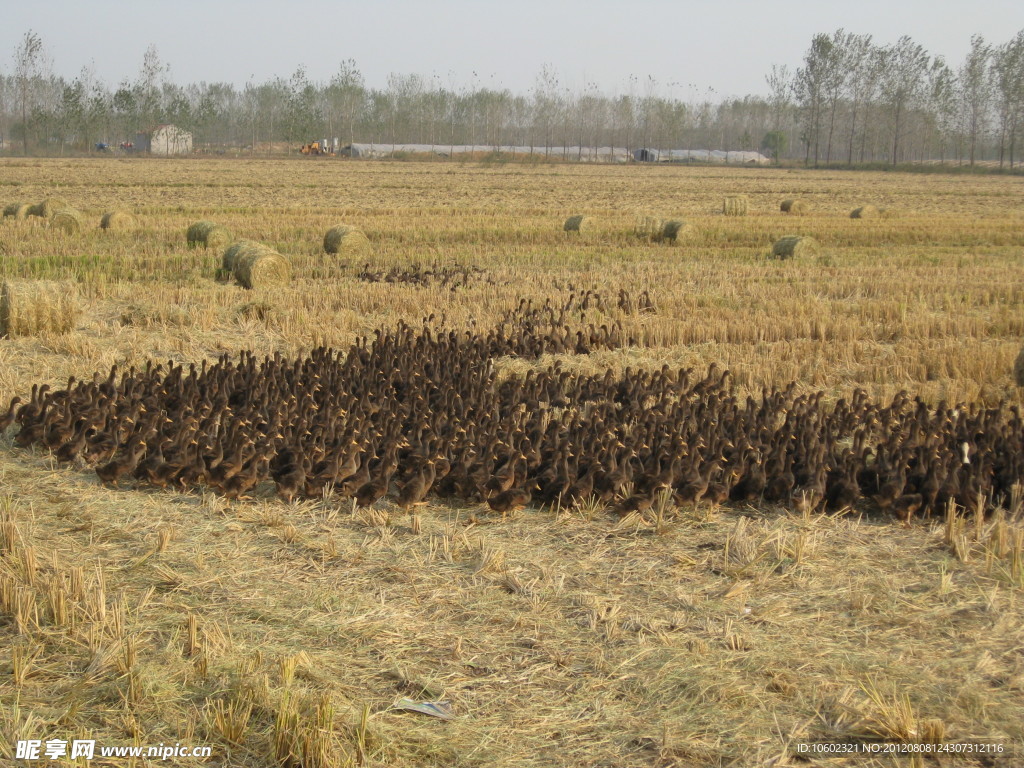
{"points": [[30, 307], [1018, 369], [794, 246], [227, 263], [579, 224], [649, 228], [674, 231], [347, 240], [794, 207], [260, 266], [865, 212], [67, 220], [17, 211], [48, 207], [735, 205], [117, 220], [207, 234]]}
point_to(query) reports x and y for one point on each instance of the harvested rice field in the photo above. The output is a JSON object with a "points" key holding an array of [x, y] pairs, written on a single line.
{"points": [[337, 463]]}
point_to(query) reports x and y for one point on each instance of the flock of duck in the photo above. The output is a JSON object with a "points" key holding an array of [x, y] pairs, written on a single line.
{"points": [[414, 412], [451, 276]]}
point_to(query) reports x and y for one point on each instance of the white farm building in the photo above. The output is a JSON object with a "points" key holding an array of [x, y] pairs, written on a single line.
{"points": [[164, 141], [580, 154], [733, 157]]}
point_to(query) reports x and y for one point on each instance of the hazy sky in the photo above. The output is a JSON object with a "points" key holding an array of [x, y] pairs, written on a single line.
{"points": [[701, 44]]}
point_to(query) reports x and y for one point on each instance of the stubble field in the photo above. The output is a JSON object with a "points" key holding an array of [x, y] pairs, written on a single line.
{"points": [[284, 633]]}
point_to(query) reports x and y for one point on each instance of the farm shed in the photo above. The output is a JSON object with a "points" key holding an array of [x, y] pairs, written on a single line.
{"points": [[584, 154], [581, 154], [165, 141], [737, 157]]}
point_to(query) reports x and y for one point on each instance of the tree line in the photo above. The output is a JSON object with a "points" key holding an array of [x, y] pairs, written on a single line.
{"points": [[850, 102], [857, 102]]}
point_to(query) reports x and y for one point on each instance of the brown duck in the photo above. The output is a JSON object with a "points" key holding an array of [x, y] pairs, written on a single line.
{"points": [[8, 418], [373, 491], [512, 499], [417, 487], [111, 472]]}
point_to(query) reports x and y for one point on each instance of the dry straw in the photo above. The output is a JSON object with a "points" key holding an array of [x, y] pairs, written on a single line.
{"points": [[151, 315], [30, 307], [579, 224], [795, 207], [48, 207], [68, 221], [17, 211], [794, 246], [259, 311], [208, 234], [347, 240], [118, 220], [674, 230], [649, 228], [865, 212], [259, 266], [735, 205]]}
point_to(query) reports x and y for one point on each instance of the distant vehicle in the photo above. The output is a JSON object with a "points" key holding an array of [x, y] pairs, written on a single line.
{"points": [[102, 146], [321, 147]]}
